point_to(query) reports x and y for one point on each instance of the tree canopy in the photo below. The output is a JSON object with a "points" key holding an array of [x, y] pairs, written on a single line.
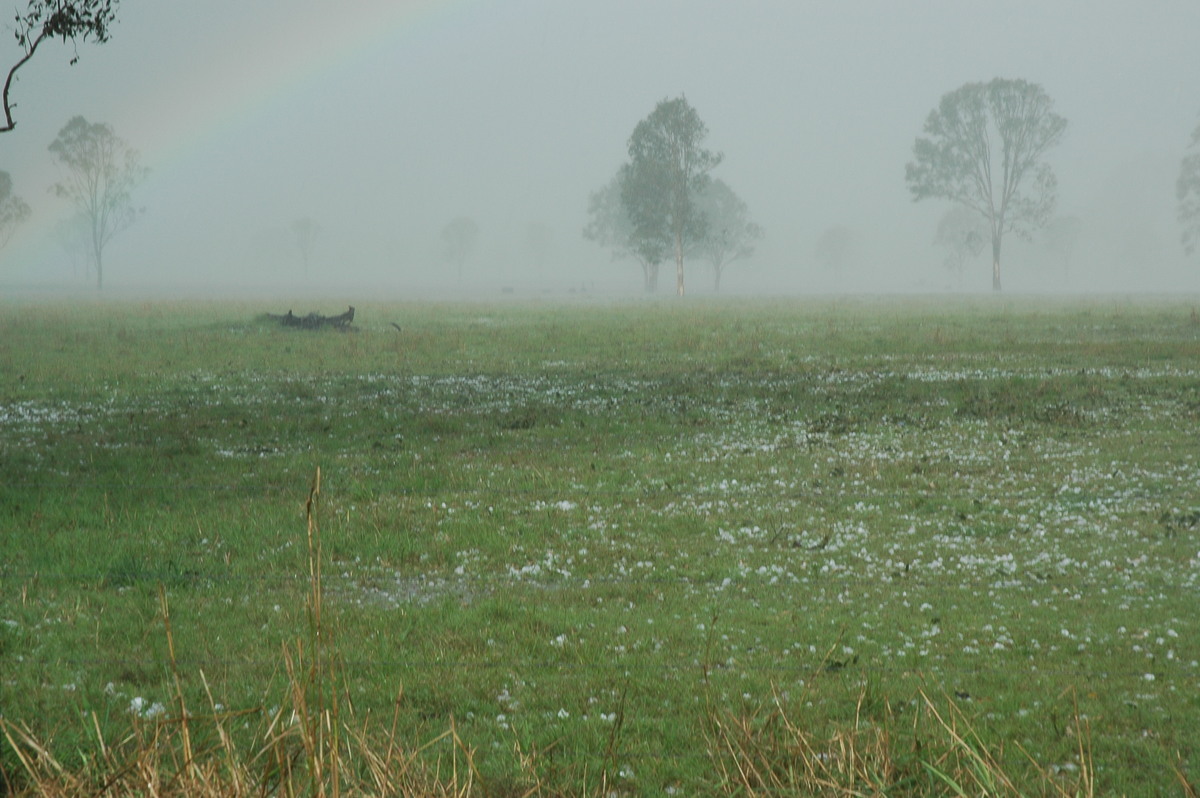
{"points": [[668, 170], [983, 148], [102, 172], [74, 20], [610, 225], [1187, 189], [729, 234]]}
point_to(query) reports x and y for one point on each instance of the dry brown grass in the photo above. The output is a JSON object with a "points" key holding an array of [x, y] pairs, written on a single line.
{"points": [[937, 752]]}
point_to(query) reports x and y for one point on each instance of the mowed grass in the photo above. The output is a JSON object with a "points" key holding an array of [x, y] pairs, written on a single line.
{"points": [[593, 538]]}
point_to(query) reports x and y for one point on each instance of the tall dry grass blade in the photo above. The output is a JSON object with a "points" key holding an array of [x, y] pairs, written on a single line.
{"points": [[1189, 790], [42, 768], [179, 698]]}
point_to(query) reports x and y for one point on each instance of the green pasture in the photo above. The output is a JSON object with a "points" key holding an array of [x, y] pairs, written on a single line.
{"points": [[580, 532]]}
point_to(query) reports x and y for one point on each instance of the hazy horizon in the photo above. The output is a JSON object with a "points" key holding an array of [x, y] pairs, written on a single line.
{"points": [[382, 121]]}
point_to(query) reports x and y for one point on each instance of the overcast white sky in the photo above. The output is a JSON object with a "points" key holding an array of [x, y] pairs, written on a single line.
{"points": [[384, 119]]}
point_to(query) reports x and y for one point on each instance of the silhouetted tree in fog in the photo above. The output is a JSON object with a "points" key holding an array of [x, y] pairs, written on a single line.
{"points": [[1187, 189], [459, 238], [77, 20], [73, 235], [13, 209], [305, 231], [729, 234], [1060, 237], [102, 171], [610, 225], [538, 244], [963, 233], [668, 170], [984, 148], [837, 248]]}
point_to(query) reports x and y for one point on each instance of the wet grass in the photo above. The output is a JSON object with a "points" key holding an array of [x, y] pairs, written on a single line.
{"points": [[628, 544]]}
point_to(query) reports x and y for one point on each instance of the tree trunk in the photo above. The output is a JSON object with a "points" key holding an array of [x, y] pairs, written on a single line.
{"points": [[996, 262], [716, 279], [679, 262]]}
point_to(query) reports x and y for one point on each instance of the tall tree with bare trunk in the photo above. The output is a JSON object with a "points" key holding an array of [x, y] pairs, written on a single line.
{"points": [[102, 172], [73, 20], [984, 149], [669, 169]]}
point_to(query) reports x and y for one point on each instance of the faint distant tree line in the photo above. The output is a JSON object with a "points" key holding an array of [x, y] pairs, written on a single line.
{"points": [[305, 231], [459, 238], [1187, 191], [962, 233], [13, 209], [73, 20], [663, 202]]}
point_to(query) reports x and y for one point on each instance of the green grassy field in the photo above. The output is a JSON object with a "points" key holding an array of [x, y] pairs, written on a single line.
{"points": [[626, 547]]}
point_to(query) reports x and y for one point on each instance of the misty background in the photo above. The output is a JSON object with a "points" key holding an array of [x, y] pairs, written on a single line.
{"points": [[383, 120]]}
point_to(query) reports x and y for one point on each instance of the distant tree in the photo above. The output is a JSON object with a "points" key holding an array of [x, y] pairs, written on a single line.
{"points": [[962, 232], [984, 150], [13, 210], [305, 231], [74, 235], [729, 234], [102, 171], [459, 238], [837, 248], [77, 20], [668, 170], [1060, 236], [1187, 189], [610, 225], [538, 244]]}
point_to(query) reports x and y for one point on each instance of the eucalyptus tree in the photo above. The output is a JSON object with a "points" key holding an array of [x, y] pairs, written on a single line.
{"points": [[102, 172], [610, 225], [73, 20], [13, 209], [668, 170], [1187, 189], [983, 148], [729, 234]]}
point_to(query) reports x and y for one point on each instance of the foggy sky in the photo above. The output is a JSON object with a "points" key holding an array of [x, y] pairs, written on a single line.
{"points": [[383, 120]]}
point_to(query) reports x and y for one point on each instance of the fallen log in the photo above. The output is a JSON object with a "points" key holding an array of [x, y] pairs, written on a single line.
{"points": [[315, 321]]}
